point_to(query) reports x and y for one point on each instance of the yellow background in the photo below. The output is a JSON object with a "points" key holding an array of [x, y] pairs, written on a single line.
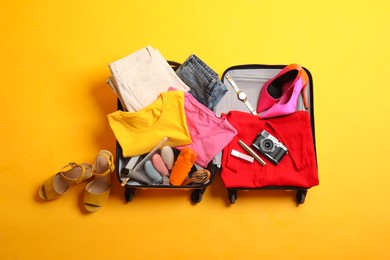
{"points": [[54, 102]]}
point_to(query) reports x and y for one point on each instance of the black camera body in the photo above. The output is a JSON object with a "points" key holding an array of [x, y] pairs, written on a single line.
{"points": [[268, 145]]}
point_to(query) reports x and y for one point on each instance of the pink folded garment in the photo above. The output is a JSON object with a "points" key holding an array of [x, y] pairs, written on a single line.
{"points": [[209, 133]]}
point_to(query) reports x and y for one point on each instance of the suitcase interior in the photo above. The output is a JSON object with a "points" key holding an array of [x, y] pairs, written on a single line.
{"points": [[250, 79]]}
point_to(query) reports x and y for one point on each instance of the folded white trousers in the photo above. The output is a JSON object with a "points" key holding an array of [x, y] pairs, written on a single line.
{"points": [[139, 78]]}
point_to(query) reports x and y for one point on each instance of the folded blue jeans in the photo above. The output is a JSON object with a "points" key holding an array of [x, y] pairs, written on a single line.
{"points": [[204, 83]]}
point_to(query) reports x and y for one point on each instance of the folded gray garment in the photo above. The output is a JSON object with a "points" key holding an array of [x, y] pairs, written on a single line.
{"points": [[139, 78]]}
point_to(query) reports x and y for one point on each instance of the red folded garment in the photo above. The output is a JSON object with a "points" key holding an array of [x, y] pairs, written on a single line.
{"points": [[298, 168]]}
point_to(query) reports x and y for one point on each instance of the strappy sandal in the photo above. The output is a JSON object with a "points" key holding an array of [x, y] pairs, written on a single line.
{"points": [[59, 184], [97, 191]]}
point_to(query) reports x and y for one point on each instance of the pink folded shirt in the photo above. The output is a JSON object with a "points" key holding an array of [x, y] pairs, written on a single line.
{"points": [[209, 133]]}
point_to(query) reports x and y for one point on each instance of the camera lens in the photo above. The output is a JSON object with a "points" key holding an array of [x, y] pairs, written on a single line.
{"points": [[267, 145]]}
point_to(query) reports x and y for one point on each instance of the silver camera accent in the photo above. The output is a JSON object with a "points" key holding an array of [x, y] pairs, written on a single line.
{"points": [[268, 145]]}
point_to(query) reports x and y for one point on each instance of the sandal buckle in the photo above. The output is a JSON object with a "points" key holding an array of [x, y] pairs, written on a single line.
{"points": [[72, 164]]}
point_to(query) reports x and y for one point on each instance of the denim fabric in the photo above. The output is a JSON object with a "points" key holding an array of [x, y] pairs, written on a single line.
{"points": [[204, 83]]}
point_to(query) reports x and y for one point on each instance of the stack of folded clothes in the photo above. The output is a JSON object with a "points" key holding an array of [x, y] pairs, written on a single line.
{"points": [[159, 102]]}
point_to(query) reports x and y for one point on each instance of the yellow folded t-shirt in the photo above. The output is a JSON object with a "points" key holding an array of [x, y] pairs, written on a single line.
{"points": [[139, 132]]}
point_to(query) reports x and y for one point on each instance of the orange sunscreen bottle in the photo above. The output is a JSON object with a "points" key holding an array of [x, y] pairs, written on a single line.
{"points": [[182, 166]]}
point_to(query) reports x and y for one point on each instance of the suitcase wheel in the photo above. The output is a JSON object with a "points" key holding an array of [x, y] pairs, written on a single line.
{"points": [[301, 196], [232, 196], [196, 196], [129, 194]]}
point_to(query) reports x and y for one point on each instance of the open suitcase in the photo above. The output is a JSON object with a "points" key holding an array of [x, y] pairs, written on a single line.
{"points": [[250, 79]]}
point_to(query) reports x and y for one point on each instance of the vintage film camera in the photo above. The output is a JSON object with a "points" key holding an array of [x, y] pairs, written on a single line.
{"points": [[268, 145]]}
